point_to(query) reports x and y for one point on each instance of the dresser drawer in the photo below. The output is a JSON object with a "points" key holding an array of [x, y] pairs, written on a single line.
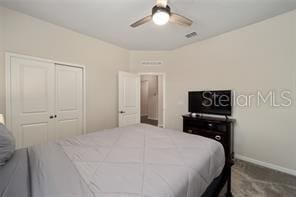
{"points": [[214, 135], [220, 137], [206, 125]]}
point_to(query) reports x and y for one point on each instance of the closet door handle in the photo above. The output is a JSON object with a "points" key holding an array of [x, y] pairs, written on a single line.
{"points": [[55, 116], [51, 117]]}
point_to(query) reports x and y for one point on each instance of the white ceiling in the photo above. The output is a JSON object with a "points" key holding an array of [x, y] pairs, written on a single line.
{"points": [[110, 20]]}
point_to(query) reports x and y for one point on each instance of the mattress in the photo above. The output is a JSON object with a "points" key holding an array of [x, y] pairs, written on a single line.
{"points": [[15, 176], [133, 161]]}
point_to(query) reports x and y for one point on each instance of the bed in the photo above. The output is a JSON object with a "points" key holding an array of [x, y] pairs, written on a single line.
{"points": [[134, 161]]}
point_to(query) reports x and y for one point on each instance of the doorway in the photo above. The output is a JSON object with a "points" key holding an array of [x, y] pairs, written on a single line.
{"points": [[152, 99]]}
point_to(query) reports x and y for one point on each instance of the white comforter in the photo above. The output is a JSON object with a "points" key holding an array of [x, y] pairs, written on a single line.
{"points": [[142, 160]]}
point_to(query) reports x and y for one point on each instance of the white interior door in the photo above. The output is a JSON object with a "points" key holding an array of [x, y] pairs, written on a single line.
{"points": [[129, 98], [69, 101], [32, 98]]}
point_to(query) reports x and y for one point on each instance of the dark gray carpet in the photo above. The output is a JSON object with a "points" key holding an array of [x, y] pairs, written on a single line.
{"points": [[145, 119], [249, 180]]}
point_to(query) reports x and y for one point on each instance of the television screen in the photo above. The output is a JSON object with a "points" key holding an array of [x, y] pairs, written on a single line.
{"points": [[211, 102]]}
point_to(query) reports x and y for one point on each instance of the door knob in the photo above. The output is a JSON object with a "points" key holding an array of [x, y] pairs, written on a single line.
{"points": [[122, 112]]}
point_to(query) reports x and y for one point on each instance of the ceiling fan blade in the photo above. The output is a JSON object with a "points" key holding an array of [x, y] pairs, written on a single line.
{"points": [[141, 21], [180, 20], [162, 3]]}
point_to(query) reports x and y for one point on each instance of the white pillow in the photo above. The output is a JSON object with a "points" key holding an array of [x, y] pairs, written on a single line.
{"points": [[7, 144]]}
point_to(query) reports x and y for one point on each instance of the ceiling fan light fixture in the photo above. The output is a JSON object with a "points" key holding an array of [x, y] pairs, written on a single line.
{"points": [[161, 17]]}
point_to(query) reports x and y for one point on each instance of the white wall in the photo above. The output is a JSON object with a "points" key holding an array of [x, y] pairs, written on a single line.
{"points": [[260, 57], [2, 79], [23, 34]]}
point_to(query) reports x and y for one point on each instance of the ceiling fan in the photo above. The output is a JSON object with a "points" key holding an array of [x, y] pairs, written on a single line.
{"points": [[161, 15]]}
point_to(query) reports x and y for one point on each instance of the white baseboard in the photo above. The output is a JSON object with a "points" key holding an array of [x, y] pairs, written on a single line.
{"points": [[267, 165]]}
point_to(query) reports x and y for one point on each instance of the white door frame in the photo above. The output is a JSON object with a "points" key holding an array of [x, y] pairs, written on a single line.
{"points": [[8, 57], [163, 88]]}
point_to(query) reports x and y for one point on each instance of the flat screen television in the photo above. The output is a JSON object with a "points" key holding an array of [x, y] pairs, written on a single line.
{"points": [[211, 102]]}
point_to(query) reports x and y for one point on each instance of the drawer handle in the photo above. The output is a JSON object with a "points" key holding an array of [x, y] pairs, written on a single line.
{"points": [[218, 137]]}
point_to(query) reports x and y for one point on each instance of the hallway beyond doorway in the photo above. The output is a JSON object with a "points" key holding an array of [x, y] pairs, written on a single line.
{"points": [[152, 102], [145, 119]]}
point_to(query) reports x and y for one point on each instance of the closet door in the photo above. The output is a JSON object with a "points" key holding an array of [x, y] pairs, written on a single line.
{"points": [[69, 99], [32, 101]]}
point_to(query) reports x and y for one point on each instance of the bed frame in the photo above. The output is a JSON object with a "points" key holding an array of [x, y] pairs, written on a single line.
{"points": [[215, 188]]}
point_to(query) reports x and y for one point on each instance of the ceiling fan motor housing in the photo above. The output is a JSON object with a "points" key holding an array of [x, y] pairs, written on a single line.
{"points": [[166, 9]]}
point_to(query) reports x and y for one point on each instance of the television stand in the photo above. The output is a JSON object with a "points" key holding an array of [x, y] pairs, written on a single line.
{"points": [[219, 129]]}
